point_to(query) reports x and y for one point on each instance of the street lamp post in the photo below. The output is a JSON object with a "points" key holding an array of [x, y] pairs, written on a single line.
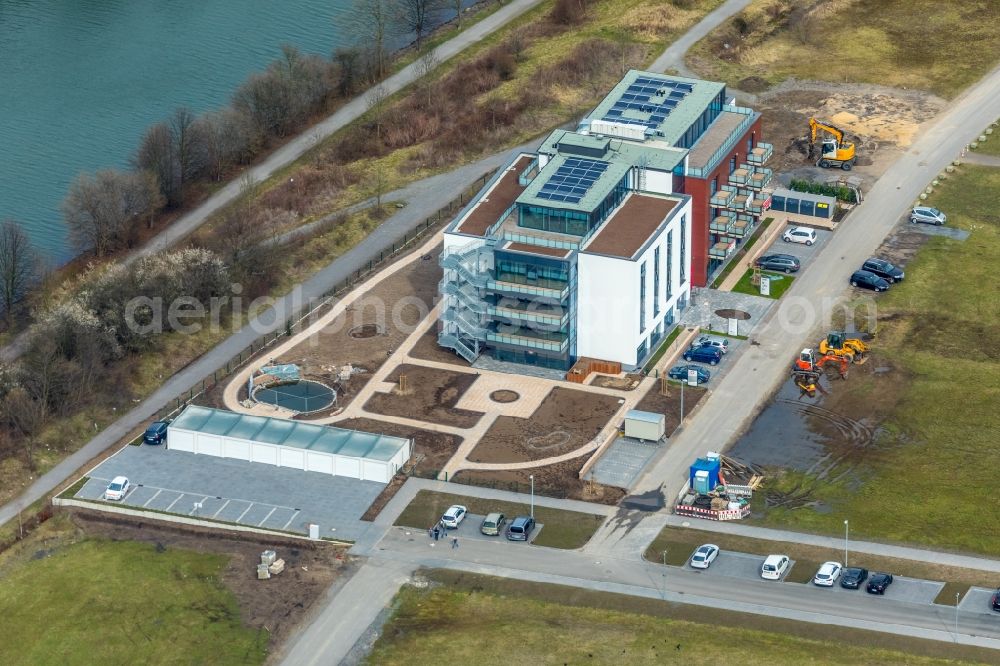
{"points": [[957, 595], [680, 423], [846, 533], [532, 479]]}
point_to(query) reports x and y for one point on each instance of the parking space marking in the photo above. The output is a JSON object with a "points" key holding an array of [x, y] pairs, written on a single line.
{"points": [[146, 503], [285, 526], [174, 502], [273, 509], [197, 505], [240, 519], [224, 505]]}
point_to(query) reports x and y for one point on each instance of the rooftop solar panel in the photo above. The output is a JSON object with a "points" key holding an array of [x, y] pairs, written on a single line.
{"points": [[572, 180], [641, 97]]}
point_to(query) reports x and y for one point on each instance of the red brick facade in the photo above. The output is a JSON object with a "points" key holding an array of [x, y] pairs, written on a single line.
{"points": [[700, 191]]}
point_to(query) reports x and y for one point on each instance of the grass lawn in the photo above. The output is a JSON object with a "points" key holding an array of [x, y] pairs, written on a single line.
{"points": [[679, 543], [991, 146], [737, 260], [932, 478], [561, 529], [120, 602], [779, 284], [941, 47], [470, 619]]}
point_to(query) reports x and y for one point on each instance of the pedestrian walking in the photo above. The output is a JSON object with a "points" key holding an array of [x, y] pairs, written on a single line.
{"points": [[430, 532], [437, 533], [454, 543]]}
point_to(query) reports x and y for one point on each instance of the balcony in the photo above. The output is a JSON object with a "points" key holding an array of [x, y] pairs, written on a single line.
{"points": [[722, 224], [723, 198], [758, 206], [504, 287], [760, 154], [739, 203], [740, 177], [722, 249], [760, 179], [740, 228], [556, 318], [555, 342]]}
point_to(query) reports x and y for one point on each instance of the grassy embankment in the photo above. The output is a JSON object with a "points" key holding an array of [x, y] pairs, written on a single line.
{"points": [[474, 619], [899, 43], [117, 602], [560, 529], [931, 477], [992, 144]]}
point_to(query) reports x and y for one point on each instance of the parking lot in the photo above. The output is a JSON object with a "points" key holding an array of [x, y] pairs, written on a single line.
{"points": [[469, 529], [623, 461], [913, 590], [977, 600], [803, 252], [236, 491]]}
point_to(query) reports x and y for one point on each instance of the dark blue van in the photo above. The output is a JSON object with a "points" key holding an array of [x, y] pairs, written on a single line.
{"points": [[156, 433]]}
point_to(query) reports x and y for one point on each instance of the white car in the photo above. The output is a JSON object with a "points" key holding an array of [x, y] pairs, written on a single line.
{"points": [[454, 516], [704, 556], [117, 489], [774, 567], [799, 235], [827, 574], [927, 215]]}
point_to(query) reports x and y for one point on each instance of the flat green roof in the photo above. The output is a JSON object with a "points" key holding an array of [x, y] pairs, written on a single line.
{"points": [[595, 194], [679, 118], [654, 154], [271, 430]]}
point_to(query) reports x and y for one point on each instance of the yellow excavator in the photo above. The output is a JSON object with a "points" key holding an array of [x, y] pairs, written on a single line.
{"points": [[838, 344], [834, 152]]}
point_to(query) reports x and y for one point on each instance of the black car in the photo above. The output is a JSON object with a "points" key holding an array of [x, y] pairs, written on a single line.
{"points": [[853, 577], [995, 600], [705, 354], [784, 263], [883, 269], [681, 372], [878, 583], [868, 280]]}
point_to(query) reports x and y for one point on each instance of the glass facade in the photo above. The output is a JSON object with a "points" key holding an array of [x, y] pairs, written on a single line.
{"points": [[572, 222], [698, 127], [683, 264], [670, 265], [656, 282], [642, 297]]}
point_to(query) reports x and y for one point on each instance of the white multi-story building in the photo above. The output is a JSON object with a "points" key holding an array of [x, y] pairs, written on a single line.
{"points": [[583, 249]]}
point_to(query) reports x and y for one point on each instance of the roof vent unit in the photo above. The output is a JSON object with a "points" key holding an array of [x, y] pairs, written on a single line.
{"points": [[619, 130]]}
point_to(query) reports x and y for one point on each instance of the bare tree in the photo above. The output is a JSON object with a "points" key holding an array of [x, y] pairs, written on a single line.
{"points": [[157, 154], [18, 266], [187, 151], [225, 139], [348, 65], [425, 66], [375, 17], [415, 15], [27, 417], [102, 210], [376, 101], [457, 5]]}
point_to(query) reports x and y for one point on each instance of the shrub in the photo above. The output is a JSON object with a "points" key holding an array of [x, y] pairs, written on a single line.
{"points": [[840, 192]]}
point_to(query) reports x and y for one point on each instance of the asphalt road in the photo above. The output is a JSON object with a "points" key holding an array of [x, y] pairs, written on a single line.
{"points": [[676, 584], [799, 319]]}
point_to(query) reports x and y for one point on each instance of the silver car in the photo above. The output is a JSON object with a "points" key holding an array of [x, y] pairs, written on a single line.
{"points": [[716, 341], [927, 215]]}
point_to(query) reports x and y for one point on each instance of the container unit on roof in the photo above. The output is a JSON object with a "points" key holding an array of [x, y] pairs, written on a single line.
{"points": [[284, 443]]}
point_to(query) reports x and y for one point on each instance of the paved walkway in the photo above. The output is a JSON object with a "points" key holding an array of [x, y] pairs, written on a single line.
{"points": [[982, 159], [673, 56]]}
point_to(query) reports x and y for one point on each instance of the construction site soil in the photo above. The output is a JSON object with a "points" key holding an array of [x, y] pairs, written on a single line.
{"points": [[566, 420], [880, 121], [428, 349], [428, 394], [276, 605], [431, 450], [394, 306], [669, 404], [560, 480]]}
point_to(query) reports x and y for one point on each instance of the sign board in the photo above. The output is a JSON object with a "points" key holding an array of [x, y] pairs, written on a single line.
{"points": [[765, 285], [734, 326], [692, 377]]}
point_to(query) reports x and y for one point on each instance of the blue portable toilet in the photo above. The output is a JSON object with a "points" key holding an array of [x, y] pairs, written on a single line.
{"points": [[705, 475]]}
